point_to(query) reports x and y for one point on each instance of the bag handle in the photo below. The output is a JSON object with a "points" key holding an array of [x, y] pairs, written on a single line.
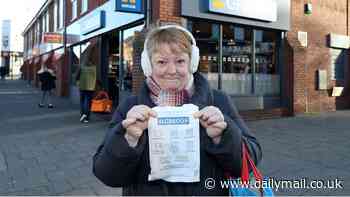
{"points": [[101, 95], [245, 170]]}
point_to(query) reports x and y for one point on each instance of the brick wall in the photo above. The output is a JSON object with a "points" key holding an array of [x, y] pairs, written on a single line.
{"points": [[137, 77], [327, 17], [166, 11]]}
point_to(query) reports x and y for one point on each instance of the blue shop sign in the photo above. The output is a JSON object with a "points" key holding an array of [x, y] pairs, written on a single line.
{"points": [[134, 6]]}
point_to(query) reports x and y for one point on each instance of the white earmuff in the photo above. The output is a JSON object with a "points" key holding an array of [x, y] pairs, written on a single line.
{"points": [[146, 62]]}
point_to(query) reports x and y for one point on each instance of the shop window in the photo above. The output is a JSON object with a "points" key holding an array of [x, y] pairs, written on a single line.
{"points": [[47, 22], [240, 74], [84, 5], [75, 62], [55, 16], [128, 50], [207, 38], [43, 22], [338, 60], [236, 60], [74, 9], [60, 13], [267, 78]]}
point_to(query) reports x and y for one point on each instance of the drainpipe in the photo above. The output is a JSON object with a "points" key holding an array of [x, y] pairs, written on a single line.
{"points": [[64, 25], [347, 17], [65, 62], [148, 12]]}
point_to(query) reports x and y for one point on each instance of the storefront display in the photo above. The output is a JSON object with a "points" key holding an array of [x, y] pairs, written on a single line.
{"points": [[239, 74]]}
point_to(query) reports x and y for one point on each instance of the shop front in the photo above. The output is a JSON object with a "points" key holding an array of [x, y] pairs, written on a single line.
{"points": [[103, 38], [118, 57], [241, 48]]}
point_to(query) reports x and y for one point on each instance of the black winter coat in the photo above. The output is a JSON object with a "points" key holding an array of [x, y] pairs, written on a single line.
{"points": [[47, 81], [117, 164]]}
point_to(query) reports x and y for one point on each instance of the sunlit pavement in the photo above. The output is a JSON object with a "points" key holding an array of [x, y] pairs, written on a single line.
{"points": [[311, 147], [46, 151], [49, 152]]}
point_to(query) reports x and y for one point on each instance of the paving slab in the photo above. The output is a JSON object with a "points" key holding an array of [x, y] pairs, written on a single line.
{"points": [[49, 152]]}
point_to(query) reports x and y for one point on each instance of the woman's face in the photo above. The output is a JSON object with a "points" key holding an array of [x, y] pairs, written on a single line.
{"points": [[170, 67]]}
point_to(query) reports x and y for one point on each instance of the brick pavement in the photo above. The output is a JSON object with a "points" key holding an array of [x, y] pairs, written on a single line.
{"points": [[49, 152]]}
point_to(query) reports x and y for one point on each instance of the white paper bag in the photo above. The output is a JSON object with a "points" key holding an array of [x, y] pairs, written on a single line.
{"points": [[174, 144]]}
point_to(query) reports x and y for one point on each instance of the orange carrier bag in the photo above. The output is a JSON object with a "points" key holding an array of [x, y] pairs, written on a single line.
{"points": [[101, 103]]}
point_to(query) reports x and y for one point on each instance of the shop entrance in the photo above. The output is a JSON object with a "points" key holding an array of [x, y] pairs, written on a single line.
{"points": [[112, 55], [118, 55]]}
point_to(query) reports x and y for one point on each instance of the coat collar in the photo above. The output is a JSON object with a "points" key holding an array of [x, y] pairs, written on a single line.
{"points": [[202, 93]]}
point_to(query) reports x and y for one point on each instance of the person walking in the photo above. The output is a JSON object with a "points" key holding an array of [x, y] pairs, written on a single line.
{"points": [[47, 78], [86, 79]]}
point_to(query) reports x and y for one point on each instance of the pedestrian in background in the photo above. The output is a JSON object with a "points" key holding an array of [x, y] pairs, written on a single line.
{"points": [[86, 79], [47, 79]]}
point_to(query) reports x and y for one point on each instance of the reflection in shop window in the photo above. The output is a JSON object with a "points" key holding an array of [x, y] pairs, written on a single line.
{"points": [[207, 38], [128, 49], [236, 60], [267, 78], [75, 63]]}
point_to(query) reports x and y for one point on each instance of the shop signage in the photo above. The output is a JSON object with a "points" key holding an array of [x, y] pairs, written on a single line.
{"points": [[265, 10], [339, 41], [322, 79], [134, 6], [93, 22], [337, 91], [53, 38]]}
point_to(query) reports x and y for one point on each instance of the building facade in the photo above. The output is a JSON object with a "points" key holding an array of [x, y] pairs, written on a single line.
{"points": [[290, 57]]}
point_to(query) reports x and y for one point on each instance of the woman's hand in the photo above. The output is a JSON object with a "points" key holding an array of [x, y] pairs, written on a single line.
{"points": [[136, 122], [212, 119]]}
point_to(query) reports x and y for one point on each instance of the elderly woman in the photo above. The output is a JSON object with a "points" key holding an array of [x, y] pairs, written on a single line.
{"points": [[169, 61]]}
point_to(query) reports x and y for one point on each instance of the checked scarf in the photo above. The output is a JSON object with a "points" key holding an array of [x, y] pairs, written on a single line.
{"points": [[167, 98]]}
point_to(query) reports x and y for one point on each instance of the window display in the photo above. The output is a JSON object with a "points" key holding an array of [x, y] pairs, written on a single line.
{"points": [[240, 75], [267, 80], [207, 38], [236, 62]]}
